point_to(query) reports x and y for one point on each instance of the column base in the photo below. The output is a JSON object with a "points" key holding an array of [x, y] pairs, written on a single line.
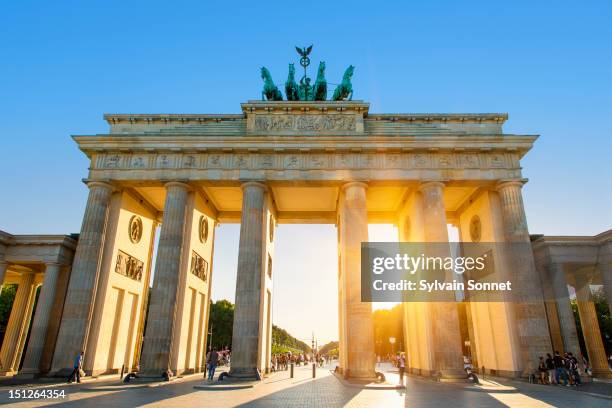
{"points": [[454, 375], [167, 375], [369, 375], [8, 373], [245, 373], [26, 374], [602, 373]]}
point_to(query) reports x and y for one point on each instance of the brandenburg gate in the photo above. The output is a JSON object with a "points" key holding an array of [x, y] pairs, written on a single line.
{"points": [[285, 162]]}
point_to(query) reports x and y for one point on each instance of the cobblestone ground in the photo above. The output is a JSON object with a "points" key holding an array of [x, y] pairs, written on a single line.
{"points": [[302, 391]]}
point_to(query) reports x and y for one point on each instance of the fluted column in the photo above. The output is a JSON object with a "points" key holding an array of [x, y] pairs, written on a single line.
{"points": [[564, 310], [448, 356], [359, 329], [3, 268], [81, 292], [245, 338], [19, 320], [590, 327], [527, 292], [40, 325], [156, 353]]}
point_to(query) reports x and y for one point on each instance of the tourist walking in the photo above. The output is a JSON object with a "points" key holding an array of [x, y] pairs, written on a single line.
{"points": [[211, 361], [401, 364], [76, 372]]}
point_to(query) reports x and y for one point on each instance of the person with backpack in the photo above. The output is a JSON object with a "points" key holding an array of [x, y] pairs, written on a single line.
{"points": [[573, 369]]}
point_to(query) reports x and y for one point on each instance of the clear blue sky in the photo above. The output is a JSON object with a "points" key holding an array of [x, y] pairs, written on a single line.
{"points": [[548, 64]]}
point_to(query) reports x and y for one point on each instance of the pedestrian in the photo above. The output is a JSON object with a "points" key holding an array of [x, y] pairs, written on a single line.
{"points": [[550, 366], [573, 369], [560, 369], [401, 363], [76, 372], [212, 360], [542, 371]]}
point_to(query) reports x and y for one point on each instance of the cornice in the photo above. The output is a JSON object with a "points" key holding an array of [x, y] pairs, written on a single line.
{"points": [[107, 143]]}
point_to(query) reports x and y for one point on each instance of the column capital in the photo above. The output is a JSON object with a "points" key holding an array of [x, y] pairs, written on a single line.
{"points": [[177, 183], [502, 184], [362, 184], [431, 184], [54, 263], [99, 183], [252, 183]]}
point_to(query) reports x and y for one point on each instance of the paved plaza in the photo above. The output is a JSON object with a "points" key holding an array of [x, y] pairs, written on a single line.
{"points": [[302, 391]]}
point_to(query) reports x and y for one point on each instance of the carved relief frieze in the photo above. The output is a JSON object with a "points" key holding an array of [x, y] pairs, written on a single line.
{"points": [[129, 266], [199, 266], [304, 123], [309, 161], [139, 162], [216, 161], [189, 161]]}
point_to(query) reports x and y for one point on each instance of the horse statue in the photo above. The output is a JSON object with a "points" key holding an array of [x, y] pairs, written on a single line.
{"points": [[291, 87], [270, 91], [345, 89], [320, 86]]}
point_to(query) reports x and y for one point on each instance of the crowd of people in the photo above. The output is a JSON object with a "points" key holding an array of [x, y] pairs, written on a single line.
{"points": [[282, 361], [565, 369]]}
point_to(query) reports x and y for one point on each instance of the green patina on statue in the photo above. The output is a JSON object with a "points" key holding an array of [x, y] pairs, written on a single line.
{"points": [[291, 87], [320, 86], [270, 91], [304, 91], [345, 89]]}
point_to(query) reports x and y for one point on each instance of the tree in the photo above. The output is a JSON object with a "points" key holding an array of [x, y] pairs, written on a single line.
{"points": [[280, 337], [6, 302], [221, 321]]}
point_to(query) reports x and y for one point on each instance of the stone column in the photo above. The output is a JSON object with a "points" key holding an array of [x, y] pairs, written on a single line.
{"points": [[81, 292], [529, 303], [18, 324], [156, 354], [3, 268], [41, 320], [564, 309], [448, 355], [590, 327], [353, 230], [245, 338]]}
